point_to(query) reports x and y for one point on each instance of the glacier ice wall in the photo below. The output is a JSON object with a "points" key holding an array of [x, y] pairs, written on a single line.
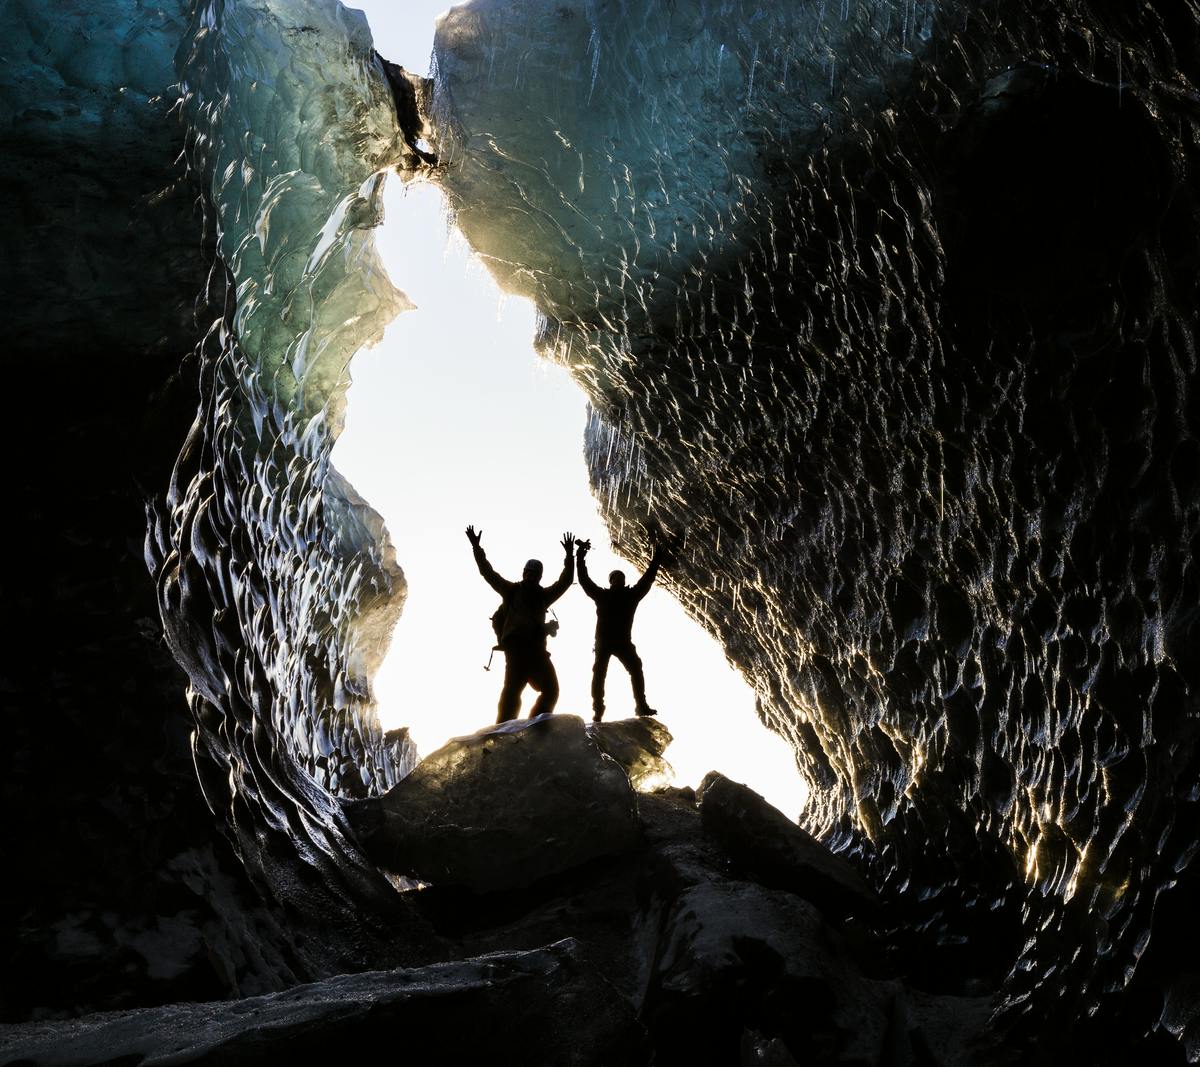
{"points": [[121, 892], [667, 119], [293, 163], [76, 96], [277, 586], [893, 306]]}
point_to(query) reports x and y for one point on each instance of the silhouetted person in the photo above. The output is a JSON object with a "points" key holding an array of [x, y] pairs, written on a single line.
{"points": [[615, 607], [522, 629]]}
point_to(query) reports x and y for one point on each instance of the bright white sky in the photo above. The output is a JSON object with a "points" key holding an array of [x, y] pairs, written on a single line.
{"points": [[452, 420]]}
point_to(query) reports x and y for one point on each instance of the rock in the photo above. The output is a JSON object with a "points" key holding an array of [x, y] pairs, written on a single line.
{"points": [[945, 1030], [637, 745], [764, 1052], [736, 956], [502, 808], [751, 975], [496, 1008], [681, 854], [780, 854]]}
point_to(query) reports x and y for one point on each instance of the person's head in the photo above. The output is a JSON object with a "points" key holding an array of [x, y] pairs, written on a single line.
{"points": [[617, 579], [532, 571]]}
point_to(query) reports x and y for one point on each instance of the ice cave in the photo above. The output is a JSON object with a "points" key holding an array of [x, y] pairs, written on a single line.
{"points": [[892, 303]]}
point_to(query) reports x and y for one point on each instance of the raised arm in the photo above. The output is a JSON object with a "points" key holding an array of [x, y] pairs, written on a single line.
{"points": [[642, 586], [501, 585], [553, 592], [585, 579]]}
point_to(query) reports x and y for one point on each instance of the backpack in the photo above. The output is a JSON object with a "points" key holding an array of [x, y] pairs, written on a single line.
{"points": [[501, 614], [499, 617]]}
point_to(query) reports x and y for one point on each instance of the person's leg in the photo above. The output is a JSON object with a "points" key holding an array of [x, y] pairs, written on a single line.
{"points": [[544, 678], [632, 662], [515, 676], [599, 673]]}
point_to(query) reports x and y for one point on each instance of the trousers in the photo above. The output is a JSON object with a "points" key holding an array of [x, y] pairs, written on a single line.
{"points": [[527, 667], [627, 656]]}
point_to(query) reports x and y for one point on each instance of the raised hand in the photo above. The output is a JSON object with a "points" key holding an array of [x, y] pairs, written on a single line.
{"points": [[582, 548], [474, 537], [568, 540]]}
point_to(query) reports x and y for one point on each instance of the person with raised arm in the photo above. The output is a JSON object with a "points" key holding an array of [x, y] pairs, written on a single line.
{"points": [[521, 628], [615, 608]]}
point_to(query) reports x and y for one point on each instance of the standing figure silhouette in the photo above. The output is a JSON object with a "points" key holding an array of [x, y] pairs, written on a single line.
{"points": [[522, 630], [615, 607]]}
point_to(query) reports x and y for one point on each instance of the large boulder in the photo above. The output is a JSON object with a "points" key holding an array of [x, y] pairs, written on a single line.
{"points": [[764, 841], [503, 808]]}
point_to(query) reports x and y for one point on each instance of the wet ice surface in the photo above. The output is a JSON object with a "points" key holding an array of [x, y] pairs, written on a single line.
{"points": [[905, 340], [276, 585], [890, 373], [294, 558], [605, 156]]}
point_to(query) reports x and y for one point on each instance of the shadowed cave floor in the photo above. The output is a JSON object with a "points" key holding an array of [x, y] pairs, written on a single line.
{"points": [[708, 942]]}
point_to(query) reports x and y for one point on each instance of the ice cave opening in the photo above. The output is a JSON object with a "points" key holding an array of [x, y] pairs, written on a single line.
{"points": [[452, 420]]}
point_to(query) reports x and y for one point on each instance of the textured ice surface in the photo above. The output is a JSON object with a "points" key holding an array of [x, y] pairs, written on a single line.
{"points": [[293, 126], [605, 154], [909, 348], [893, 305], [115, 866], [277, 586], [290, 124], [82, 92]]}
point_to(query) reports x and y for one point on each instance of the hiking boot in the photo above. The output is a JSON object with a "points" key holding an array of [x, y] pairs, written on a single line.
{"points": [[598, 715], [645, 710]]}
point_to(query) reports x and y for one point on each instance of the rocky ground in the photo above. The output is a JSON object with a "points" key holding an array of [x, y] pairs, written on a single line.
{"points": [[668, 927]]}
